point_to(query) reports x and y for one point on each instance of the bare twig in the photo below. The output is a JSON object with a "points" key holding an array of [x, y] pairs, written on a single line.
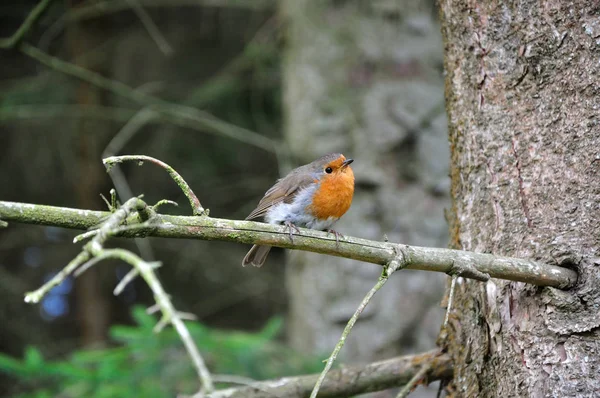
{"points": [[250, 232], [133, 125], [94, 251], [26, 26], [348, 381], [127, 279], [26, 112], [197, 208], [163, 202], [169, 314], [178, 114], [396, 263], [450, 299], [36, 296], [345, 334], [103, 8], [414, 380], [153, 31]]}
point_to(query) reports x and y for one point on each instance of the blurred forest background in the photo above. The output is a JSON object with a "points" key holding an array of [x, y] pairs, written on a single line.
{"points": [[253, 88]]}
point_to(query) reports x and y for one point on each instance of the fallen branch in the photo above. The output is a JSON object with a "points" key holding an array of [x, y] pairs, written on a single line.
{"points": [[250, 232], [349, 381]]}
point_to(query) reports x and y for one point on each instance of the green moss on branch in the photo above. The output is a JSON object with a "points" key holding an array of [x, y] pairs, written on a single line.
{"points": [[381, 253]]}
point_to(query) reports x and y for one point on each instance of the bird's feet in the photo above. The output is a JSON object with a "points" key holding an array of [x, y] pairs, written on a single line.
{"points": [[337, 236], [291, 227]]}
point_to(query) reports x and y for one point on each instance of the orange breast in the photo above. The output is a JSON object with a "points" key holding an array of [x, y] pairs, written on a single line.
{"points": [[334, 195]]}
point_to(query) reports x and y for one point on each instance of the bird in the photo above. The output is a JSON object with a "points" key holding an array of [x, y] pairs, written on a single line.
{"points": [[312, 196]]}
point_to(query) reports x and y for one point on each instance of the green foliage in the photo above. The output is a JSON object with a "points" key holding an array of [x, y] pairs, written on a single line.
{"points": [[152, 365]]}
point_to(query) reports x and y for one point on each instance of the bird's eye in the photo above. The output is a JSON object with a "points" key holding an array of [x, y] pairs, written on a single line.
{"points": [[328, 170]]}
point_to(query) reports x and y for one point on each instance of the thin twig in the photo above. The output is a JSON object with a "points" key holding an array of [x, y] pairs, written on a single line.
{"points": [[127, 279], [27, 112], [153, 31], [394, 265], [178, 114], [26, 26], [103, 8], [130, 276], [84, 236], [170, 315], [133, 125], [89, 264], [450, 299], [250, 232], [35, 296], [94, 251], [197, 208], [413, 382]]}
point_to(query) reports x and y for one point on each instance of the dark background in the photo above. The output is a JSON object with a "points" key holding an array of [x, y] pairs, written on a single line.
{"points": [[222, 58]]}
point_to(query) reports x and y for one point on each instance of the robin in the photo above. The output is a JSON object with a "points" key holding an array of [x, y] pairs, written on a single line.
{"points": [[312, 196]]}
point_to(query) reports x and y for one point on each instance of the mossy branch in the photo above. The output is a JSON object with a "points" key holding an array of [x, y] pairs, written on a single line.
{"points": [[94, 251], [197, 208], [250, 232]]}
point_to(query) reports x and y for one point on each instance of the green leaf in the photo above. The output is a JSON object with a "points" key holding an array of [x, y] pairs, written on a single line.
{"points": [[33, 357]]}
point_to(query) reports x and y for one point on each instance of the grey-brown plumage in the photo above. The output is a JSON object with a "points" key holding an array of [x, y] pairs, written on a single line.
{"points": [[286, 190]]}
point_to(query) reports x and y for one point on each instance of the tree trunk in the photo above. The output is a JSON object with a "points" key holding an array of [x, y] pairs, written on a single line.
{"points": [[366, 80], [522, 100]]}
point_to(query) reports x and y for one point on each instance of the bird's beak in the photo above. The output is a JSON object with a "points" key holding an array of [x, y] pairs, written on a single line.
{"points": [[347, 162]]}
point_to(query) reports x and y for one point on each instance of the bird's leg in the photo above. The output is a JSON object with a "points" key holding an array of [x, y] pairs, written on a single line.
{"points": [[290, 226], [337, 236]]}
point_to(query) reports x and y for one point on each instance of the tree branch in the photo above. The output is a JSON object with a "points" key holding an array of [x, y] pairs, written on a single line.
{"points": [[250, 232], [105, 8], [26, 26], [197, 208], [349, 381], [180, 115], [94, 251]]}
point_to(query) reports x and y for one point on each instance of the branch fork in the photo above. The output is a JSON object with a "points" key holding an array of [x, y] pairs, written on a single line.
{"points": [[93, 252]]}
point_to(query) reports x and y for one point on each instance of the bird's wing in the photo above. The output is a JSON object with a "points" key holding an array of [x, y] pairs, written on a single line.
{"points": [[284, 190]]}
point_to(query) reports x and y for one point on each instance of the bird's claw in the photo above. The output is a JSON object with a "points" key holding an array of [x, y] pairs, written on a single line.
{"points": [[337, 236], [290, 227]]}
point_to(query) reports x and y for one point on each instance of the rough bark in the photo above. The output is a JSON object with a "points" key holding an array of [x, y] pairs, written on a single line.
{"points": [[365, 80], [522, 98]]}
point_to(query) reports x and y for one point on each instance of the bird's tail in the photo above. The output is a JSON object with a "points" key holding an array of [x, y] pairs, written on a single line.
{"points": [[256, 256]]}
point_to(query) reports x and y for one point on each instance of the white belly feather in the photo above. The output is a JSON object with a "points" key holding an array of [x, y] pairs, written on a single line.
{"points": [[297, 213]]}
